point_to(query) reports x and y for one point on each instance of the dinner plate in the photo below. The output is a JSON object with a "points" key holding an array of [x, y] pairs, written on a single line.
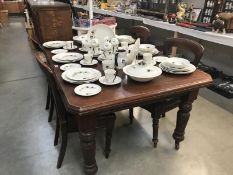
{"points": [[69, 57], [100, 32], [80, 74], [117, 80], [94, 62], [57, 51], [54, 44], [68, 48], [65, 67], [80, 38], [187, 70], [175, 62], [65, 78], [127, 38], [87, 90]]}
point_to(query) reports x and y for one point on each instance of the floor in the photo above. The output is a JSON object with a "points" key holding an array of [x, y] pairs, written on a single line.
{"points": [[26, 138]]}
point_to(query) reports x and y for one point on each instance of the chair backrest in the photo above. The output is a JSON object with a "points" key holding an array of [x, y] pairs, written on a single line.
{"points": [[196, 48], [60, 108], [140, 32]]}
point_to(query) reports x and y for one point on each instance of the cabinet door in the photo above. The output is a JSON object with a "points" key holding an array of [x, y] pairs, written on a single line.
{"points": [[55, 25]]}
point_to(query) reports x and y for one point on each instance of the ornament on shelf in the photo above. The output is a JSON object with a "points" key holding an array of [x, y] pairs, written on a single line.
{"points": [[219, 25], [181, 11]]}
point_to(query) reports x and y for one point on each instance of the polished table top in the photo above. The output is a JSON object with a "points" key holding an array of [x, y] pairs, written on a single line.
{"points": [[129, 92]]}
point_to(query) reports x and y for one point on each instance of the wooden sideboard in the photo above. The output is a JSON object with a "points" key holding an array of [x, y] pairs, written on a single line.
{"points": [[51, 20], [13, 7]]}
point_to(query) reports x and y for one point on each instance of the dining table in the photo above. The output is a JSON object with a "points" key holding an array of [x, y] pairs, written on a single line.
{"points": [[127, 94]]}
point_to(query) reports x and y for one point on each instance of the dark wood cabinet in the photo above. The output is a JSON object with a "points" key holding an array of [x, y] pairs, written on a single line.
{"points": [[51, 20]]}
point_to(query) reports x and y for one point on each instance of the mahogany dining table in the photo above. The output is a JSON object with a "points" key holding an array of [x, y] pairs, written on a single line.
{"points": [[126, 95]]}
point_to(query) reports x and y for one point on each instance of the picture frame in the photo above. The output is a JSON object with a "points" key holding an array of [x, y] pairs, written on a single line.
{"points": [[196, 14]]}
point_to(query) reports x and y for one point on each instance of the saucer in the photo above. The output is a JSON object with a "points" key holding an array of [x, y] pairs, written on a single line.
{"points": [[102, 80], [82, 62], [68, 48]]}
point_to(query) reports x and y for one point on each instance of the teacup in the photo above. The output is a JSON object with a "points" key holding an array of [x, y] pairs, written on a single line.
{"points": [[88, 58], [110, 75], [108, 64], [147, 57], [70, 44]]}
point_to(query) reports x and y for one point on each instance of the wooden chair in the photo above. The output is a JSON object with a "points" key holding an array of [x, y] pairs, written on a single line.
{"points": [[49, 100], [140, 32], [66, 122], [160, 108]]}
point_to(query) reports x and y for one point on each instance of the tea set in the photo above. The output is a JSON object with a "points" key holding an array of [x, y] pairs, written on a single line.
{"points": [[114, 53]]}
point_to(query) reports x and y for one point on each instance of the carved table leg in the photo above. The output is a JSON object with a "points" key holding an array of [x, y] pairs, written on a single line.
{"points": [[87, 132], [131, 117], [183, 116], [155, 125]]}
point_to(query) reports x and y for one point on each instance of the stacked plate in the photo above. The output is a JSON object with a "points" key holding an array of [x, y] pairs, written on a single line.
{"points": [[54, 44], [67, 57], [177, 65], [81, 75]]}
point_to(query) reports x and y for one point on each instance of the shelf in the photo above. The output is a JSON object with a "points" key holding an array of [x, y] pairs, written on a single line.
{"points": [[224, 39]]}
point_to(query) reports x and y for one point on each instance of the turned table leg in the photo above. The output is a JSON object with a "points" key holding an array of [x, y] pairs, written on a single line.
{"points": [[183, 116], [87, 133]]}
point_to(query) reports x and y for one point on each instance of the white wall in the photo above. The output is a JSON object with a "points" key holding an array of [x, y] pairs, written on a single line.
{"points": [[197, 3]]}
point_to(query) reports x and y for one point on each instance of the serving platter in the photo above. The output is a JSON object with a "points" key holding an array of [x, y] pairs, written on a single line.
{"points": [[101, 32]]}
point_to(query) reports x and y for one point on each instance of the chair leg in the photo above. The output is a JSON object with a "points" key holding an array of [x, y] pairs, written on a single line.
{"points": [[63, 145], [57, 131], [109, 129], [48, 98], [155, 126], [163, 115], [131, 117], [51, 109]]}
